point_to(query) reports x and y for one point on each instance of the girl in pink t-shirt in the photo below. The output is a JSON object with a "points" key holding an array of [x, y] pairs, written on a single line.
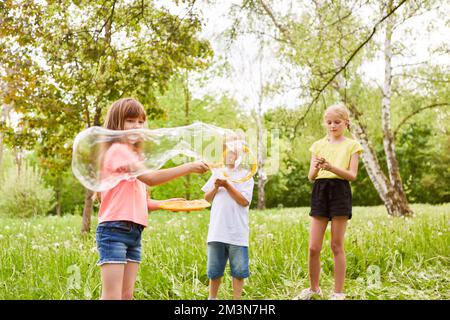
{"points": [[123, 209]]}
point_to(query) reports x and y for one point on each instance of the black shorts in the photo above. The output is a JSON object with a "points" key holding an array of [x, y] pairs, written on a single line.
{"points": [[331, 198]]}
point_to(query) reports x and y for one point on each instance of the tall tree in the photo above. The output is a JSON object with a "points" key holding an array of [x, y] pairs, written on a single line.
{"points": [[78, 57], [329, 40]]}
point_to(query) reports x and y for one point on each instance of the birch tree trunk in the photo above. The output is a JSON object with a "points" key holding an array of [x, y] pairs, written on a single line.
{"points": [[262, 177], [388, 136]]}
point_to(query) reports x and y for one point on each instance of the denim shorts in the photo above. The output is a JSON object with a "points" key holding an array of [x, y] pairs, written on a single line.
{"points": [[219, 253], [118, 242]]}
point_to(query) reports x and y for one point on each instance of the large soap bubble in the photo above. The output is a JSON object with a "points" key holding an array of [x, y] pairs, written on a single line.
{"points": [[225, 152]]}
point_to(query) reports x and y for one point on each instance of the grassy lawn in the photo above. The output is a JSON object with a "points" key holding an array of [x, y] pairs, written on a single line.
{"points": [[387, 258]]}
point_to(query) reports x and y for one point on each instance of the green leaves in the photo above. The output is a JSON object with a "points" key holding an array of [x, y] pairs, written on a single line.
{"points": [[66, 61]]}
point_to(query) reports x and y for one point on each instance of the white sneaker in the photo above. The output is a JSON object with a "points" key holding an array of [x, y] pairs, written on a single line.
{"points": [[308, 294], [337, 296]]}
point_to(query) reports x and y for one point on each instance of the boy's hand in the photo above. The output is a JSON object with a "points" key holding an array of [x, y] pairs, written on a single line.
{"points": [[198, 167], [221, 183]]}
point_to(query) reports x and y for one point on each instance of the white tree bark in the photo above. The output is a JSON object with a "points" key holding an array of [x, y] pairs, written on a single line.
{"points": [[388, 136], [262, 177]]}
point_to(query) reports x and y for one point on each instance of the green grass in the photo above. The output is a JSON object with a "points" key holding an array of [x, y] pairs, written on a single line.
{"points": [[387, 258]]}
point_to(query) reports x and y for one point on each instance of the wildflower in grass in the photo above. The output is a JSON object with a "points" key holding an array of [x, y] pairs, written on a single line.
{"points": [[67, 244], [1, 236], [182, 237], [74, 279], [87, 293], [270, 236]]}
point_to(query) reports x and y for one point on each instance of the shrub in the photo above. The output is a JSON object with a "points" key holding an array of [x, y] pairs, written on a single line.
{"points": [[25, 195]]}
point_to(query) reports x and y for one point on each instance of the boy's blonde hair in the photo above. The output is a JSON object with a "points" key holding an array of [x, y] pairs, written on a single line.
{"points": [[341, 110], [235, 136]]}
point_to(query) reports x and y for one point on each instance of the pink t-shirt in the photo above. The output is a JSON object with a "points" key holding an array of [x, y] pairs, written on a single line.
{"points": [[128, 199]]}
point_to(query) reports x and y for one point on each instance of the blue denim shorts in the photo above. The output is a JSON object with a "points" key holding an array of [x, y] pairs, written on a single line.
{"points": [[118, 242], [219, 253]]}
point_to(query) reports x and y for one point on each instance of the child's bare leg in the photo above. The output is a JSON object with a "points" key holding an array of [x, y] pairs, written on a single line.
{"points": [[112, 280], [129, 279], [317, 230], [238, 284], [214, 285], [338, 226]]}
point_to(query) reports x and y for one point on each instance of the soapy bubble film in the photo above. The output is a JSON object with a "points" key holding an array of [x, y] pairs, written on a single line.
{"points": [[227, 154]]}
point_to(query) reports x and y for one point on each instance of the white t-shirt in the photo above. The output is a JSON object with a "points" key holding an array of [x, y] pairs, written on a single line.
{"points": [[229, 220]]}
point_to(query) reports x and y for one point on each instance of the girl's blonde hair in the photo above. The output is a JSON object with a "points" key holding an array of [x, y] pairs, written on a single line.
{"points": [[341, 110], [121, 110]]}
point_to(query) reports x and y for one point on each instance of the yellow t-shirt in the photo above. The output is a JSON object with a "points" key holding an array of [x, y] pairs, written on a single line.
{"points": [[337, 154]]}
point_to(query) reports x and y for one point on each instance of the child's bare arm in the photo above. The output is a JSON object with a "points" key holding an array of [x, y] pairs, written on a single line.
{"points": [[161, 176], [236, 195], [209, 196], [313, 168], [349, 174], [153, 205]]}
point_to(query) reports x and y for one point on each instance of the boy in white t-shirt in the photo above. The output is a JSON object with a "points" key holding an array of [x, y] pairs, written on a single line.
{"points": [[228, 231]]}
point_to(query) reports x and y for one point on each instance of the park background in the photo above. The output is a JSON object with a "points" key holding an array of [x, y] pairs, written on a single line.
{"points": [[254, 65]]}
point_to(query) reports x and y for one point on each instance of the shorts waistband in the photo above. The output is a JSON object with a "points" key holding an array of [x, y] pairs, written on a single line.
{"points": [[331, 180], [130, 224]]}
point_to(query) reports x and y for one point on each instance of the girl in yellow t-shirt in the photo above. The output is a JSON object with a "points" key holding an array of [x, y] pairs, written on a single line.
{"points": [[334, 162]]}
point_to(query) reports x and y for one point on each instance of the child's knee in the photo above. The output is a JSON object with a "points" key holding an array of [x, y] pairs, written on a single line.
{"points": [[337, 248], [314, 250]]}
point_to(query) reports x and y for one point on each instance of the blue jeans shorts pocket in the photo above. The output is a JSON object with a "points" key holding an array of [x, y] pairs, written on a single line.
{"points": [[118, 242]]}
